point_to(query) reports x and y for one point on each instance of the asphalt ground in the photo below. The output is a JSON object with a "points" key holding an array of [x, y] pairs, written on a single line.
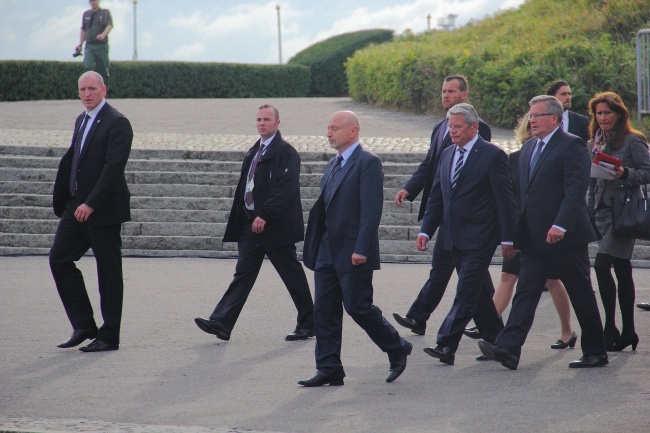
{"points": [[169, 376]]}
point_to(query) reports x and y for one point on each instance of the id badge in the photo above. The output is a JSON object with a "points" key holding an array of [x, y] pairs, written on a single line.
{"points": [[249, 186]]}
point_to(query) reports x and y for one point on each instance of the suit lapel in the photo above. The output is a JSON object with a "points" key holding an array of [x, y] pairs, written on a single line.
{"points": [[548, 148], [445, 169], [93, 126], [470, 159]]}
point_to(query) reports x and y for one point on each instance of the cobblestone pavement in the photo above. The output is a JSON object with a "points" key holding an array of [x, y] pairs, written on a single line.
{"points": [[224, 124]]}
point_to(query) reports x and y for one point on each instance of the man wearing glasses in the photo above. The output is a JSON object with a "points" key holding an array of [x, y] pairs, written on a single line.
{"points": [[96, 24], [553, 232]]}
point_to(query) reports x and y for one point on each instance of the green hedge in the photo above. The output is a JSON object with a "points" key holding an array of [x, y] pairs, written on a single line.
{"points": [[326, 59], [509, 58], [39, 80]]}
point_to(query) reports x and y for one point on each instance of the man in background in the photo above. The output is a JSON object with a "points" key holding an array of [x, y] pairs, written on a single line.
{"points": [[96, 24], [573, 123]]}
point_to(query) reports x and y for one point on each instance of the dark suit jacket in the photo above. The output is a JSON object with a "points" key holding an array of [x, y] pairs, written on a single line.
{"points": [[579, 125], [101, 183], [422, 179], [480, 211], [351, 217], [555, 193], [276, 194]]}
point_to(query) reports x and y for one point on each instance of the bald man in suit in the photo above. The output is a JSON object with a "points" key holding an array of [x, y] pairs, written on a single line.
{"points": [[342, 248]]}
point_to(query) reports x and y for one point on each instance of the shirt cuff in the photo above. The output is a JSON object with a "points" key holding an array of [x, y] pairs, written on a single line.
{"points": [[424, 234], [560, 228]]}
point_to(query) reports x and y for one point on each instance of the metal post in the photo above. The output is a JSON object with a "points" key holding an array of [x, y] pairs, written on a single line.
{"points": [[643, 71], [279, 35], [428, 22], [135, 31]]}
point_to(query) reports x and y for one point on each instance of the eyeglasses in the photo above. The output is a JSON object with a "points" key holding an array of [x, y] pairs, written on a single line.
{"points": [[538, 115]]}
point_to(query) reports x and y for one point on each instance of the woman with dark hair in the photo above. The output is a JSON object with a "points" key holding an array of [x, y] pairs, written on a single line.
{"points": [[612, 134]]}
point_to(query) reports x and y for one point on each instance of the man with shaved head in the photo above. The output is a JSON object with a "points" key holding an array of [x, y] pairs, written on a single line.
{"points": [[342, 248], [92, 199]]}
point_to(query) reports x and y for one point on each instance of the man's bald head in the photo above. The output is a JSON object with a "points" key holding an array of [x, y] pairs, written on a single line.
{"points": [[343, 130]]}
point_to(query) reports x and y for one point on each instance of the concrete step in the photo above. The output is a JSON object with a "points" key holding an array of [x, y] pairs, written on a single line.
{"points": [[180, 215], [134, 228], [174, 203], [200, 178], [184, 165], [179, 190], [177, 154]]}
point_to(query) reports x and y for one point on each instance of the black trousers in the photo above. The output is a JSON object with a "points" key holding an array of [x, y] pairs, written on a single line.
{"points": [[71, 241], [353, 291], [442, 267], [473, 299], [249, 261], [572, 266]]}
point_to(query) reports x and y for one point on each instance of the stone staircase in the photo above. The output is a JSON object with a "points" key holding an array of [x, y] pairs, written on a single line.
{"points": [[181, 200]]}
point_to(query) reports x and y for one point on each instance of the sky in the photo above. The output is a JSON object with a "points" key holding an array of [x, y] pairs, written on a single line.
{"points": [[244, 31]]}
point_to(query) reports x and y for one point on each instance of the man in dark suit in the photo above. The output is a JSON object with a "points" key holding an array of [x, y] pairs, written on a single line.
{"points": [[92, 199], [342, 247], [265, 219], [473, 194], [454, 91], [553, 232], [573, 123]]}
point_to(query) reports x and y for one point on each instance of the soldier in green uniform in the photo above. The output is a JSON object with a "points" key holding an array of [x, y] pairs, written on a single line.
{"points": [[96, 24]]}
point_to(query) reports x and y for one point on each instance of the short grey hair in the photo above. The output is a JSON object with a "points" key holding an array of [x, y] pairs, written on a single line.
{"points": [[553, 105], [468, 112]]}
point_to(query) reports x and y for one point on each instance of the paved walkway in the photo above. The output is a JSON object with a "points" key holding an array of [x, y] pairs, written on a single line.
{"points": [[170, 377], [224, 124]]}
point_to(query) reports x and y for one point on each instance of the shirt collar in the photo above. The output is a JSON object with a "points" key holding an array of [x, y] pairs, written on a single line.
{"points": [[565, 121], [348, 152], [93, 113], [548, 137], [468, 146], [267, 141]]}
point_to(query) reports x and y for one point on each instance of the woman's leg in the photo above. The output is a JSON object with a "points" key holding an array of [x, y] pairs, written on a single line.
{"points": [[503, 293], [563, 307]]}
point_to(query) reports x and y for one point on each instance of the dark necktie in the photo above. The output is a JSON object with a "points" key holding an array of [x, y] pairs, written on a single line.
{"points": [[248, 195], [76, 156], [335, 171], [533, 160], [459, 166]]}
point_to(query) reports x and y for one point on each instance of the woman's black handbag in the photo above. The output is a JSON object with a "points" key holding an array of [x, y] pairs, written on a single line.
{"points": [[631, 216]]}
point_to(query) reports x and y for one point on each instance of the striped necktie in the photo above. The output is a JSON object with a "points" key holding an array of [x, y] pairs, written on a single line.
{"points": [[459, 166]]}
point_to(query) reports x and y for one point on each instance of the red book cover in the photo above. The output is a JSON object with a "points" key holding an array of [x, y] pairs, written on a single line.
{"points": [[603, 157]]}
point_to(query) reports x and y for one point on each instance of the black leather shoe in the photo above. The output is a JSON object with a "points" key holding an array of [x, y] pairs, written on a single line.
{"points": [[300, 334], [590, 361], [411, 324], [398, 365], [644, 306], [496, 353], [571, 342], [482, 358], [213, 327], [99, 346], [322, 379], [78, 337], [444, 354], [472, 333]]}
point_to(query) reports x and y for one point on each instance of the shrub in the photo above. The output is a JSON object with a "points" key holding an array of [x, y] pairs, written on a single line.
{"points": [[326, 59], [509, 58], [37, 80]]}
